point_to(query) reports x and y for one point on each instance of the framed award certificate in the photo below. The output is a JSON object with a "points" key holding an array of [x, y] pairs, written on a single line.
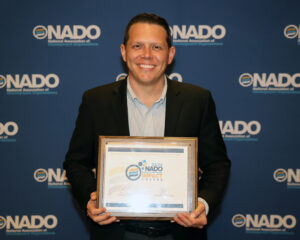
{"points": [[147, 177]]}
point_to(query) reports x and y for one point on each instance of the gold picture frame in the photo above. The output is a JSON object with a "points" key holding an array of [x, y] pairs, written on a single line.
{"points": [[147, 178]]}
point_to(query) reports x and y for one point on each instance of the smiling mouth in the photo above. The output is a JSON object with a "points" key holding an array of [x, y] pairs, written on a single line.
{"points": [[147, 66]]}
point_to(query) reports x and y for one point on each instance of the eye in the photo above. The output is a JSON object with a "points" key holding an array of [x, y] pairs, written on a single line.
{"points": [[136, 46], [157, 47]]}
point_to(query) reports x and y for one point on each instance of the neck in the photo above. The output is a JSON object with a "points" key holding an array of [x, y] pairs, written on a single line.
{"points": [[147, 93]]}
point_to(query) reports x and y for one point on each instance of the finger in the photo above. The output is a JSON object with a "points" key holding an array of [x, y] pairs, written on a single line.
{"points": [[96, 211], [108, 221], [185, 218], [202, 219], [100, 218], [189, 221], [199, 222], [177, 220]]}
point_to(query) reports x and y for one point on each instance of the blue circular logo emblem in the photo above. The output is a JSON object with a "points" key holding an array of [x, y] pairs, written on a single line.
{"points": [[40, 32], [176, 77], [280, 175], [2, 81], [40, 175], [246, 80], [133, 172], [2, 222], [238, 220], [290, 31], [121, 76]]}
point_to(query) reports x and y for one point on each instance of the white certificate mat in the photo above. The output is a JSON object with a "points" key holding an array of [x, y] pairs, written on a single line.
{"points": [[144, 179]]}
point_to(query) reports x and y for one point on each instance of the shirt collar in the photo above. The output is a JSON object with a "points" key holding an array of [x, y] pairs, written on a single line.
{"points": [[161, 98]]}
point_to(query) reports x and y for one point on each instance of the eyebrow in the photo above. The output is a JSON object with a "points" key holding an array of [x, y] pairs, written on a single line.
{"points": [[142, 42]]}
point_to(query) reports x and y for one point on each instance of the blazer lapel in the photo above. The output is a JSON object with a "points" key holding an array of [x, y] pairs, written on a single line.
{"points": [[173, 108], [119, 103]]}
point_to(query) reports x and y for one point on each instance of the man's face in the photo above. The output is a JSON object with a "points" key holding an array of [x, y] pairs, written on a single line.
{"points": [[146, 53]]}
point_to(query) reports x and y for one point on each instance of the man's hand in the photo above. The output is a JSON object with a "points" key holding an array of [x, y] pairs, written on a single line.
{"points": [[99, 215], [196, 219]]}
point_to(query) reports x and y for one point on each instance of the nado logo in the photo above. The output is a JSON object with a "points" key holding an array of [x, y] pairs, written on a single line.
{"points": [[246, 80], [24, 84], [280, 175], [145, 171], [176, 77], [2, 81], [240, 130], [291, 176], [265, 224], [7, 131], [40, 175], [292, 31], [173, 76], [40, 32], [76, 35], [2, 222], [133, 172], [238, 220], [121, 76], [25, 225], [202, 35], [56, 178], [271, 83]]}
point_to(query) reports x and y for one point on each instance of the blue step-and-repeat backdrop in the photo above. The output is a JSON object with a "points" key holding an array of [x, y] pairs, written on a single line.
{"points": [[246, 52]]}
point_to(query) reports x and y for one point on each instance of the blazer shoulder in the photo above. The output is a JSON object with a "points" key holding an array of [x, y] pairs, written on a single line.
{"points": [[188, 89], [105, 91]]}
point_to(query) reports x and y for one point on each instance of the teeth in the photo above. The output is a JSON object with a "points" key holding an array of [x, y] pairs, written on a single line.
{"points": [[146, 66]]}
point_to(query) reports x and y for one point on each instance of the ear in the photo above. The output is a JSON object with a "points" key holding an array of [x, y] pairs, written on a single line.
{"points": [[171, 54], [123, 52]]}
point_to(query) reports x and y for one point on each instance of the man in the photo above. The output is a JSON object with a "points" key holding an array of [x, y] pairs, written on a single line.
{"points": [[147, 103]]}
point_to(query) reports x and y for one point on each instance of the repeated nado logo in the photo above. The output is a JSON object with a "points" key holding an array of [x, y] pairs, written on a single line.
{"points": [[201, 35], [240, 130], [40, 32], [238, 220], [121, 76], [2, 81], [266, 83], [291, 32], [290, 176], [56, 178], [24, 84], [28, 224], [8, 131], [2, 222], [75, 35], [265, 223], [145, 171], [176, 77]]}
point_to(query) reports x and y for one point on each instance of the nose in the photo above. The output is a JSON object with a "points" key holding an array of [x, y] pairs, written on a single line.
{"points": [[147, 52]]}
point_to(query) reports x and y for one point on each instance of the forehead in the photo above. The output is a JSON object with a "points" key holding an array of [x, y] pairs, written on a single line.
{"points": [[147, 31]]}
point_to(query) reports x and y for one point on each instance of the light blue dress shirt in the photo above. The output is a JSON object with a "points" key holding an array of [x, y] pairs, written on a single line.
{"points": [[144, 121]]}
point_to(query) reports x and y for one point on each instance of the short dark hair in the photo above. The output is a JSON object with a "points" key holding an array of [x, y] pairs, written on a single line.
{"points": [[152, 19]]}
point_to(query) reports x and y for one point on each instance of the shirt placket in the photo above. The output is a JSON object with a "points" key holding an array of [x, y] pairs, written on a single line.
{"points": [[147, 128]]}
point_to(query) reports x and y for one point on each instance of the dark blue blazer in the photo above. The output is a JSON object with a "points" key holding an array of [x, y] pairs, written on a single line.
{"points": [[190, 112]]}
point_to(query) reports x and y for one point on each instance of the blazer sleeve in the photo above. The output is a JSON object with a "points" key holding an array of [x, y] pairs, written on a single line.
{"points": [[79, 160], [213, 159]]}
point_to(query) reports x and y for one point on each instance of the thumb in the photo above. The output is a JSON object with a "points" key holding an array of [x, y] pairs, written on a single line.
{"points": [[93, 196], [196, 213]]}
